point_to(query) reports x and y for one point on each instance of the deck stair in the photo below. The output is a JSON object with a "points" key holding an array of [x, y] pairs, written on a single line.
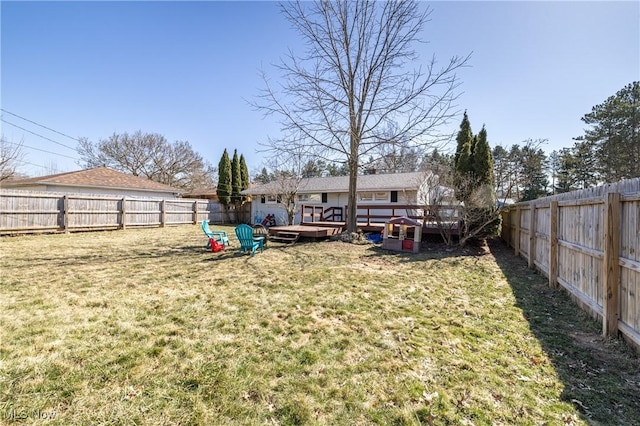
{"points": [[285, 237]]}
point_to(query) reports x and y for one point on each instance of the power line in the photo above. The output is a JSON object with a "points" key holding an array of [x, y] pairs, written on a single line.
{"points": [[34, 133], [42, 150], [38, 124], [32, 164]]}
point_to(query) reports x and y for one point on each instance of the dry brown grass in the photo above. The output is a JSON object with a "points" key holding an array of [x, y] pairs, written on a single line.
{"points": [[147, 327]]}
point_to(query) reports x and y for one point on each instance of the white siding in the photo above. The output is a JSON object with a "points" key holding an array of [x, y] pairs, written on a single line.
{"points": [[260, 210], [104, 191]]}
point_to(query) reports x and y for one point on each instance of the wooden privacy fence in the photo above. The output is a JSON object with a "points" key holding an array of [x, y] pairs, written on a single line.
{"points": [[30, 212], [588, 242]]}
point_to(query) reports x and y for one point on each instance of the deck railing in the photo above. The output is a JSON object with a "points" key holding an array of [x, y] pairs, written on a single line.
{"points": [[377, 214], [321, 214], [314, 213], [333, 214]]}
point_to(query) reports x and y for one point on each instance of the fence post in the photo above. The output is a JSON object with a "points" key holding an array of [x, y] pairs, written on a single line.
{"points": [[195, 212], [65, 213], [553, 244], [516, 242], [610, 265], [163, 213], [123, 213], [506, 226], [532, 235]]}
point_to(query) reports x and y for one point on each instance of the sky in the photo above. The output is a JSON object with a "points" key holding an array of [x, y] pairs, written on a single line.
{"points": [[190, 70]]}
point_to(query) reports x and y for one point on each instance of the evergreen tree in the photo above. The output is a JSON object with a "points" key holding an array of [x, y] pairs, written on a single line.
{"points": [[482, 163], [334, 169], [534, 173], [586, 165], [244, 177], [236, 179], [264, 176], [462, 160], [482, 168], [313, 168], [435, 160], [244, 173], [224, 179], [577, 167], [474, 183], [567, 171], [615, 134], [463, 141]]}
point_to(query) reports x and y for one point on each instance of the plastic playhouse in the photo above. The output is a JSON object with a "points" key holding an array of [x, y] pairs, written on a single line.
{"points": [[402, 234]]}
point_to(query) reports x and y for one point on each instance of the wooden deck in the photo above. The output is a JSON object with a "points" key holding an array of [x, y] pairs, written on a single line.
{"points": [[291, 233], [429, 228], [372, 217], [341, 226], [314, 231]]}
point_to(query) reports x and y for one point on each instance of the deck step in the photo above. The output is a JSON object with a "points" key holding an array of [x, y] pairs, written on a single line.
{"points": [[285, 237]]}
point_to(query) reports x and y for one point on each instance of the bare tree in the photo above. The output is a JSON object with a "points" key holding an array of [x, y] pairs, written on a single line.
{"points": [[354, 78], [440, 206], [288, 175], [481, 215], [285, 187], [393, 156], [475, 219], [10, 156], [150, 155], [181, 167]]}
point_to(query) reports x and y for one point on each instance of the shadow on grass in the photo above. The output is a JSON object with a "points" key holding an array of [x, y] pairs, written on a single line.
{"points": [[431, 251], [601, 376]]}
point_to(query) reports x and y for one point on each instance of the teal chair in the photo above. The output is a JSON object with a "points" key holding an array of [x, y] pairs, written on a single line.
{"points": [[219, 236], [247, 241]]}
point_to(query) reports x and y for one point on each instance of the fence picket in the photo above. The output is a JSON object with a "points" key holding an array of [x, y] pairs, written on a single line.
{"points": [[35, 212], [593, 249]]}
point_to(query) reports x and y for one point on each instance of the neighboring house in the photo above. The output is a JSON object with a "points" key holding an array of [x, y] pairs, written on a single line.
{"points": [[99, 180], [203, 194], [418, 188]]}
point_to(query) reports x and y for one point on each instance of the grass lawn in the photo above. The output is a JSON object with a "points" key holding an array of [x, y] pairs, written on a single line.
{"points": [[147, 327]]}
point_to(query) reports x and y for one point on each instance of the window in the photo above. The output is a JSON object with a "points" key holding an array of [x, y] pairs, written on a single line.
{"points": [[272, 199], [382, 196], [310, 198], [365, 196], [394, 196]]}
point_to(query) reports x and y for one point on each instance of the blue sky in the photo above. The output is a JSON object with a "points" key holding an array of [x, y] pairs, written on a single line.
{"points": [[187, 69]]}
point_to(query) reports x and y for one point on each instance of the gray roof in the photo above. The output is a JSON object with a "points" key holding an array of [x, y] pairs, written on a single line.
{"points": [[386, 182]]}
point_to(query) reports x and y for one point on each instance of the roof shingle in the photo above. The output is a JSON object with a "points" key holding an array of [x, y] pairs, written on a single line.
{"points": [[99, 177], [383, 182]]}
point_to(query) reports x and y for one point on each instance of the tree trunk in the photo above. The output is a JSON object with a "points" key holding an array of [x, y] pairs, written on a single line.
{"points": [[352, 200], [291, 214]]}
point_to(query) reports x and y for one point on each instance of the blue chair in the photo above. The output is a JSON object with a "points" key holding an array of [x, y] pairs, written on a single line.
{"points": [[219, 236], [247, 241]]}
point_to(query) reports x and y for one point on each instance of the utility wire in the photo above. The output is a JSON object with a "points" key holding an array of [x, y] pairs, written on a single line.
{"points": [[42, 150], [34, 133], [32, 164], [38, 124]]}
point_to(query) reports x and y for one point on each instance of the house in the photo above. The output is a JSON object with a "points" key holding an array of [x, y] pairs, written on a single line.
{"points": [[329, 195], [99, 180], [203, 194]]}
